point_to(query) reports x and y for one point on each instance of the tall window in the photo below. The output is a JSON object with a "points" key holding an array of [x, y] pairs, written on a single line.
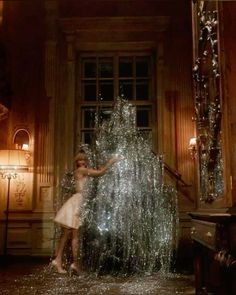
{"points": [[102, 78]]}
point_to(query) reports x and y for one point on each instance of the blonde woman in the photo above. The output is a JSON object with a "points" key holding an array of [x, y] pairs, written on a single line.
{"points": [[68, 214]]}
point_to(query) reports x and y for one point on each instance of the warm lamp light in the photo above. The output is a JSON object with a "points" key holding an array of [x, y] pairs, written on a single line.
{"points": [[193, 147], [25, 146], [11, 162]]}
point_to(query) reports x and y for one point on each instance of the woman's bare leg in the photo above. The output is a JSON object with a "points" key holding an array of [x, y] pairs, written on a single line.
{"points": [[74, 246], [60, 248]]}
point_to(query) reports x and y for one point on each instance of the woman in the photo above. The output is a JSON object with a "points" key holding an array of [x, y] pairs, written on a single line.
{"points": [[68, 215]]}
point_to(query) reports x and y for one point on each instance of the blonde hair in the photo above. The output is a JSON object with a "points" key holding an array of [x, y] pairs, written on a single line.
{"points": [[80, 156]]}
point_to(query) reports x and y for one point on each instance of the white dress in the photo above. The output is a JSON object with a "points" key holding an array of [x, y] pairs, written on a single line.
{"points": [[68, 214]]}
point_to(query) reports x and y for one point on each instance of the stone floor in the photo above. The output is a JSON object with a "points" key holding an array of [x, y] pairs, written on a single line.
{"points": [[30, 276]]}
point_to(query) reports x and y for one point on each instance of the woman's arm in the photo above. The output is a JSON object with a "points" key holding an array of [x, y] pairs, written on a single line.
{"points": [[100, 171]]}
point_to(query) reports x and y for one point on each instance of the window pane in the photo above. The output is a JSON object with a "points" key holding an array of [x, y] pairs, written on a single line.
{"points": [[142, 89], [147, 135], [104, 77], [88, 118], [89, 68], [126, 89], [89, 90], [125, 67], [105, 114], [143, 118], [106, 68], [142, 67], [107, 90], [88, 138]]}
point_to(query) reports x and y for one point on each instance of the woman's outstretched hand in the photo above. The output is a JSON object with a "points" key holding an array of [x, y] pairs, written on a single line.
{"points": [[114, 158]]}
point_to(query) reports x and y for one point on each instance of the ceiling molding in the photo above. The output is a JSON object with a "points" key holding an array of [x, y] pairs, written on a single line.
{"points": [[124, 24]]}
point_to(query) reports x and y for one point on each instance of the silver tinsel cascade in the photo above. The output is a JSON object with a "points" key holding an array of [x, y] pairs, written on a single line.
{"points": [[130, 217]]}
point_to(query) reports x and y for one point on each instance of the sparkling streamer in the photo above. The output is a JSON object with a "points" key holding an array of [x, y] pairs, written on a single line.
{"points": [[130, 216]]}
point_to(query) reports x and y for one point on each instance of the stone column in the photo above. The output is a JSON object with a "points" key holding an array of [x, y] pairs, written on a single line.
{"points": [[70, 102]]}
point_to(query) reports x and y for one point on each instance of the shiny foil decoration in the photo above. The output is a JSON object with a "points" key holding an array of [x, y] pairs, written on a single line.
{"points": [[130, 217]]}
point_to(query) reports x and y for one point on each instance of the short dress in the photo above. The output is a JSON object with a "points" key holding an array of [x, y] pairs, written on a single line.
{"points": [[68, 215]]}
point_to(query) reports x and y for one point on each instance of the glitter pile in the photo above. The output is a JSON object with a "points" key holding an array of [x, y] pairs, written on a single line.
{"points": [[130, 217]]}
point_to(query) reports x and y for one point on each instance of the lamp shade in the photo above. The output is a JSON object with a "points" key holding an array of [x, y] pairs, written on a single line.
{"points": [[193, 141], [13, 160]]}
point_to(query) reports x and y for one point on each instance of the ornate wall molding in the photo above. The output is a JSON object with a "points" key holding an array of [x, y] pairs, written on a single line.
{"points": [[208, 113]]}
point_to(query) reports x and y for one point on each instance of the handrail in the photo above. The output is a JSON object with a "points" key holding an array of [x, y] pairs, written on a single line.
{"points": [[176, 175]]}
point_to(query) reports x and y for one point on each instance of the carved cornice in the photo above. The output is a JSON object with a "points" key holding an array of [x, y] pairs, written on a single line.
{"points": [[225, 259], [124, 24], [3, 112]]}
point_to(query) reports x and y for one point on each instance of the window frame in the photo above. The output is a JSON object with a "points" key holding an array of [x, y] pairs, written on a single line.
{"points": [[99, 105]]}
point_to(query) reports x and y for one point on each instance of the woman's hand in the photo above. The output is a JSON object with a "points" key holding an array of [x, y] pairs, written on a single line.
{"points": [[114, 159]]}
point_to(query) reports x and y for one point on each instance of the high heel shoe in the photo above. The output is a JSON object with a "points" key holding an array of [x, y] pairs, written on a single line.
{"points": [[54, 264], [74, 270]]}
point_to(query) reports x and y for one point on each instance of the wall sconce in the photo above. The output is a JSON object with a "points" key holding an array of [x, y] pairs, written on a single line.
{"points": [[193, 147], [25, 147], [11, 162], [21, 139]]}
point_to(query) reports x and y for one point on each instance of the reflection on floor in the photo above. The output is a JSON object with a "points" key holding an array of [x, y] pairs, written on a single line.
{"points": [[28, 276]]}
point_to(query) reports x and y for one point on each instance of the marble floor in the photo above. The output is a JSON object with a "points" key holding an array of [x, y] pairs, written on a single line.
{"points": [[35, 277]]}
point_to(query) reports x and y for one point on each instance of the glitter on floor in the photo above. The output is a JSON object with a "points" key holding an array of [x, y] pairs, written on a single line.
{"points": [[36, 278]]}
